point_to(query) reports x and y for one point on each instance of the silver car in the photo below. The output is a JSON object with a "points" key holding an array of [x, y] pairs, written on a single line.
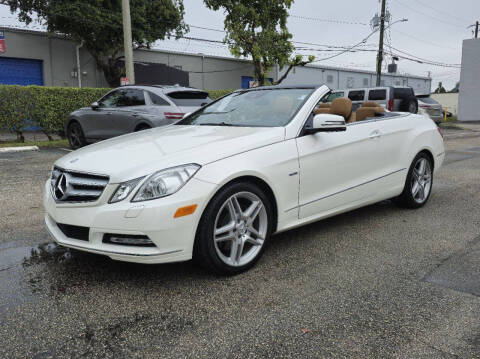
{"points": [[433, 109], [131, 108]]}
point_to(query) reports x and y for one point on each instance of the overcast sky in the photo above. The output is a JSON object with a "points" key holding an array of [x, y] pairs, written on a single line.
{"points": [[434, 31]]}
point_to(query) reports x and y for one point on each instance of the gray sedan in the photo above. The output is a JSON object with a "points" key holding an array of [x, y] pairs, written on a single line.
{"points": [[129, 109]]}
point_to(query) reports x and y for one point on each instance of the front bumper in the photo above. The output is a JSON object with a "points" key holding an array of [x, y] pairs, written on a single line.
{"points": [[173, 237]]}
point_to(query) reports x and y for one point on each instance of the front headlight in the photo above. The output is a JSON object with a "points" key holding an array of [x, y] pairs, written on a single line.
{"points": [[124, 189], [165, 182]]}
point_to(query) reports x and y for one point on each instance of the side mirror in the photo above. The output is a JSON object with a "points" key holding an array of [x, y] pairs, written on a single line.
{"points": [[187, 114], [325, 122], [95, 105]]}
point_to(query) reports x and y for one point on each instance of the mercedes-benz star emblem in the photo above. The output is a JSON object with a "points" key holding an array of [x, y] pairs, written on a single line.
{"points": [[61, 187]]}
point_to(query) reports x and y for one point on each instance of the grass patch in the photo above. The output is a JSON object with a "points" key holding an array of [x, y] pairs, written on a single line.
{"points": [[55, 143], [451, 119]]}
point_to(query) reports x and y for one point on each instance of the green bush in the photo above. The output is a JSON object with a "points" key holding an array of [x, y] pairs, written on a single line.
{"points": [[47, 107], [214, 94], [15, 108], [53, 104]]}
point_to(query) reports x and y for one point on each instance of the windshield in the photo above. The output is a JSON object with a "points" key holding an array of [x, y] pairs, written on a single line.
{"points": [[258, 108]]}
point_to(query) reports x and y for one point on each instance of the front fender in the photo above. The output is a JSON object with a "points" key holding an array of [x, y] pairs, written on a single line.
{"points": [[275, 164]]}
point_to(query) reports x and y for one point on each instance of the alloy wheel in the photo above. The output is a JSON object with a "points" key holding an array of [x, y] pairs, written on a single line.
{"points": [[240, 229], [421, 180], [75, 136]]}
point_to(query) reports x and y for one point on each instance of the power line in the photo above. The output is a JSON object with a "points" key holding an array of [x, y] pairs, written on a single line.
{"points": [[428, 15], [449, 15], [424, 41], [343, 22]]}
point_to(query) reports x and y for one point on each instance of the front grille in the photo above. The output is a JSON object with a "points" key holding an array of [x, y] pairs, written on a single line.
{"points": [[75, 232], [69, 186]]}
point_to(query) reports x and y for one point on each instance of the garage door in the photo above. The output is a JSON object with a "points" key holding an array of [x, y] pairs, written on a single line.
{"points": [[15, 71]]}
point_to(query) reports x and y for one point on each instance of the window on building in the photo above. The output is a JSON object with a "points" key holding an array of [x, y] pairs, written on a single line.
{"points": [[350, 82], [365, 81], [330, 79], [356, 95]]}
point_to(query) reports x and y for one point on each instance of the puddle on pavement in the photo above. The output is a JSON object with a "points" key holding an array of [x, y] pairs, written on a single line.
{"points": [[17, 284], [29, 274]]}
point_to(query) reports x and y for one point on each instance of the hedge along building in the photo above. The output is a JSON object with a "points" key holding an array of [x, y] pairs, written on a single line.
{"points": [[36, 57]]}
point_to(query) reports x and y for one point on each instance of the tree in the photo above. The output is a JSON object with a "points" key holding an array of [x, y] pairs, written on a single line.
{"points": [[98, 25], [258, 29], [440, 88]]}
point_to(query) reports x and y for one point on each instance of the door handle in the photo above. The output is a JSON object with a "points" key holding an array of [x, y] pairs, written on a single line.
{"points": [[375, 134]]}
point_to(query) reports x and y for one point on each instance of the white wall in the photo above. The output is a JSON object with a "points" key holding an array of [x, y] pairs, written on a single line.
{"points": [[448, 100], [469, 95], [343, 79]]}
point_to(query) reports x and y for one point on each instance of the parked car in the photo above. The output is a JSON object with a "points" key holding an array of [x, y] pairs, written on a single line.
{"points": [[216, 185], [129, 109], [433, 109], [391, 98]]}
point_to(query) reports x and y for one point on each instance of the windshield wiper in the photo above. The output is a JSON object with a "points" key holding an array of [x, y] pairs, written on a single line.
{"points": [[215, 124]]}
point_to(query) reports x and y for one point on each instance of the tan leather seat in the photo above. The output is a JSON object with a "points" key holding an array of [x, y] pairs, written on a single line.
{"points": [[368, 109], [370, 104], [341, 107], [324, 105], [319, 110]]}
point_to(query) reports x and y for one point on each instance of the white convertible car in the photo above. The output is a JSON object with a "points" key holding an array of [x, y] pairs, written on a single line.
{"points": [[216, 185]]}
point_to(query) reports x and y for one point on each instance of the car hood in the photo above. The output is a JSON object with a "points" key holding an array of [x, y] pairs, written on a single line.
{"points": [[142, 153]]}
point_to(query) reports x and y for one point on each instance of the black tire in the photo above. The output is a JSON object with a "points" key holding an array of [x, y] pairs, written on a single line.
{"points": [[142, 128], [204, 251], [75, 135], [406, 198], [409, 105]]}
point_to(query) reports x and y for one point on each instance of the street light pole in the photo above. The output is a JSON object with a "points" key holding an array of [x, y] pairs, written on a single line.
{"points": [[380, 45], [127, 41]]}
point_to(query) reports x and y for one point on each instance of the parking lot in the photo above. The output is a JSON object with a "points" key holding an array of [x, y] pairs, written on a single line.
{"points": [[376, 282]]}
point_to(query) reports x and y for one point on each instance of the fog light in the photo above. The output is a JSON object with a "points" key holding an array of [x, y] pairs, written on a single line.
{"points": [[128, 240]]}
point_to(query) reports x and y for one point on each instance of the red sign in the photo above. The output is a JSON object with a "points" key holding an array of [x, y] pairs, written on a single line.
{"points": [[124, 81], [2, 42]]}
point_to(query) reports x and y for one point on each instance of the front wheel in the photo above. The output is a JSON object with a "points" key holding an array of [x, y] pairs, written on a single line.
{"points": [[418, 185], [233, 229], [75, 136]]}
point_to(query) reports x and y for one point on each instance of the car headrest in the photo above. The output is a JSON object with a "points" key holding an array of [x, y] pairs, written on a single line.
{"points": [[341, 107]]}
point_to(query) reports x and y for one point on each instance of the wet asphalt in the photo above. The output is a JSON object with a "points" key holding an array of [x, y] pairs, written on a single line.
{"points": [[378, 282]]}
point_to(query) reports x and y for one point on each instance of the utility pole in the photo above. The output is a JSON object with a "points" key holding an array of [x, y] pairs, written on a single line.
{"points": [[127, 41], [380, 44], [476, 29]]}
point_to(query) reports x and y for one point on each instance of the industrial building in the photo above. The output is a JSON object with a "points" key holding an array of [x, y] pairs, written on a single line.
{"points": [[36, 57]]}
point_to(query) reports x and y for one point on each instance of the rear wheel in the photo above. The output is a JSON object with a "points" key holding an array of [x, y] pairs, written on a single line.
{"points": [[418, 185], [75, 135], [409, 105], [233, 229]]}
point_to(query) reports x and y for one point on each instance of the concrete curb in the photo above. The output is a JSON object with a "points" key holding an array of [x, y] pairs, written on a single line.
{"points": [[18, 149]]}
